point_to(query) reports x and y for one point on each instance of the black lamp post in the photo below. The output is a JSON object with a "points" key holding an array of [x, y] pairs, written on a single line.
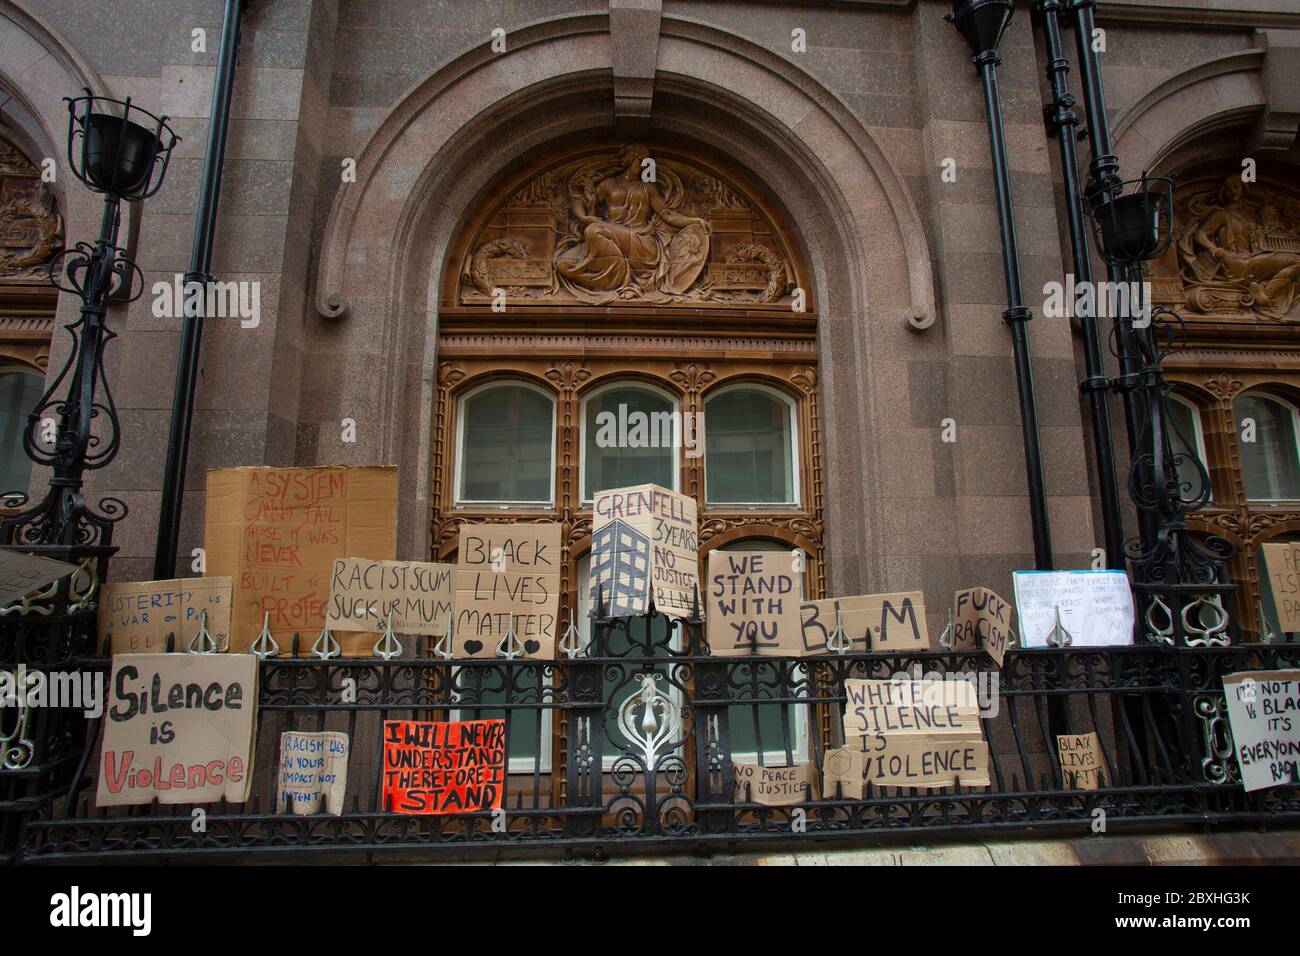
{"points": [[1179, 578], [117, 149], [982, 23]]}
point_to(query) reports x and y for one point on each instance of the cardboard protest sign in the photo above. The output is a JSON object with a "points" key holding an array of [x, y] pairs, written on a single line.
{"points": [[278, 531], [843, 770], [772, 786], [1096, 607], [910, 707], [364, 593], [313, 772], [504, 570], [1081, 763], [1264, 712], [21, 574], [753, 604], [138, 615], [981, 620], [444, 767], [1284, 581], [644, 546], [178, 727], [896, 622], [913, 733], [925, 761]]}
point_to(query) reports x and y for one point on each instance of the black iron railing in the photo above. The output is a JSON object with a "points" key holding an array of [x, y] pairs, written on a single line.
{"points": [[589, 772]]}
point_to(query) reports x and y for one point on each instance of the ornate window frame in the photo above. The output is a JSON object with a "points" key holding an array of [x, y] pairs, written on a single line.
{"points": [[759, 385], [462, 401], [612, 382]]}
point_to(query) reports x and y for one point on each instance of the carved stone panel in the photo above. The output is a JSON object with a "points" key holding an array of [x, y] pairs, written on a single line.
{"points": [[31, 229], [1236, 251], [626, 225]]}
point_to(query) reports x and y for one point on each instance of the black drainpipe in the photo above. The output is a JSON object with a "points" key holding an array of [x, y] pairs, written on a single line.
{"points": [[1062, 121], [187, 362], [982, 23], [1103, 178]]}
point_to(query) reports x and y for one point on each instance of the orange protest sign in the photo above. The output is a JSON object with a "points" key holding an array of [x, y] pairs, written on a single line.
{"points": [[278, 531], [441, 767]]}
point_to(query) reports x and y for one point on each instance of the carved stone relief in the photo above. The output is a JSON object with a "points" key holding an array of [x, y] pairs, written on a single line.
{"points": [[31, 228], [1236, 250], [627, 227]]}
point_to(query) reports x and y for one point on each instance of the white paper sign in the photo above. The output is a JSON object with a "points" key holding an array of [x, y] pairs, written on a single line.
{"points": [[1096, 607], [1264, 712]]}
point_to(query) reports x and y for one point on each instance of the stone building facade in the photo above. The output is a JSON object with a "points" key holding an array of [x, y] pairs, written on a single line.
{"points": [[830, 252]]}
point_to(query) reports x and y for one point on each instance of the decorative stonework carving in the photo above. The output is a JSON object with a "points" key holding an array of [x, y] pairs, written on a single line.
{"points": [[31, 228], [1245, 525], [477, 270], [629, 343], [1223, 386], [1237, 251], [630, 226]]}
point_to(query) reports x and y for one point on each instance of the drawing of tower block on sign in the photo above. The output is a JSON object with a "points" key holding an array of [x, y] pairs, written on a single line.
{"points": [[620, 570]]}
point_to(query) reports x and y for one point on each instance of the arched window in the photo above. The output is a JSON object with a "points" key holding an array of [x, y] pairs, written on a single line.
{"points": [[20, 390], [1186, 438], [750, 448], [507, 446], [1270, 457], [630, 436]]}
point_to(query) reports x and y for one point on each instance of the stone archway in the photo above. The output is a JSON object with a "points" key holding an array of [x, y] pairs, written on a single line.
{"points": [[1222, 94], [437, 155]]}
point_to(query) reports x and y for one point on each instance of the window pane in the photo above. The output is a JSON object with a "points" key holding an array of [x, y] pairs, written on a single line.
{"points": [[19, 393], [1269, 464], [1184, 434], [749, 723], [749, 448], [629, 441], [507, 440], [523, 743]]}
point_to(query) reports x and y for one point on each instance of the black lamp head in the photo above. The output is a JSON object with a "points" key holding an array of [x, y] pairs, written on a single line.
{"points": [[1134, 222], [981, 22], [115, 147]]}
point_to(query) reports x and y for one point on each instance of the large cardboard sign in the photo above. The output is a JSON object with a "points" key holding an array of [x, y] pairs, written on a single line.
{"points": [[1264, 712], [504, 570], [278, 531], [364, 593], [313, 772], [21, 574], [753, 604], [1280, 560], [138, 615], [1096, 607], [444, 767], [925, 761], [178, 727], [912, 733], [896, 622], [644, 545], [888, 707], [1081, 764], [981, 621], [772, 786]]}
